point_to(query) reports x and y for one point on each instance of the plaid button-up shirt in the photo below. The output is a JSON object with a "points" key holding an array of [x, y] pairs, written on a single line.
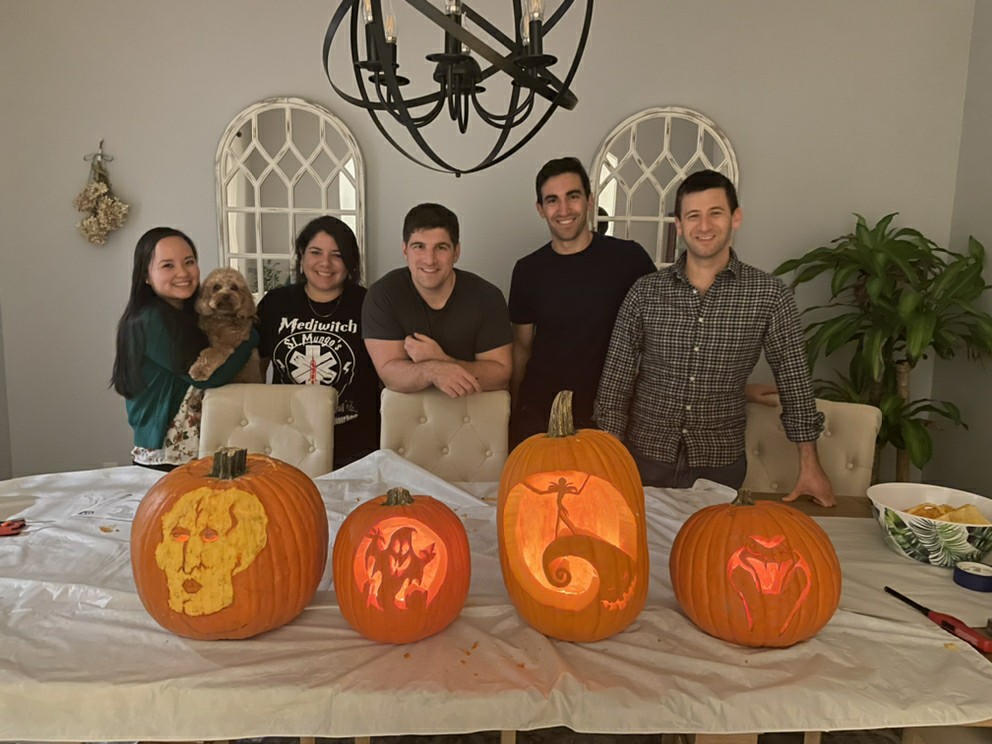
{"points": [[678, 362]]}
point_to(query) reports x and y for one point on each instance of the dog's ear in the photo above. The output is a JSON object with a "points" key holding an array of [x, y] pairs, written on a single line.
{"points": [[201, 306], [247, 309]]}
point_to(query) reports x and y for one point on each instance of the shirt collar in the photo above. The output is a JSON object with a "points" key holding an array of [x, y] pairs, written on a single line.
{"points": [[733, 266]]}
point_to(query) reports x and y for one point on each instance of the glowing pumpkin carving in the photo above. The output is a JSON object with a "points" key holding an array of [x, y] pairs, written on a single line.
{"points": [[755, 573], [229, 546], [572, 536], [401, 567]]}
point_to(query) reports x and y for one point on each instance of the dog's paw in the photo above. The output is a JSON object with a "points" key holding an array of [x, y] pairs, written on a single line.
{"points": [[201, 369]]}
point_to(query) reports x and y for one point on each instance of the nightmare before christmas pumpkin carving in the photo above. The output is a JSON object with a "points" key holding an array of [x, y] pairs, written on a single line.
{"points": [[401, 567], [572, 536], [574, 552]]}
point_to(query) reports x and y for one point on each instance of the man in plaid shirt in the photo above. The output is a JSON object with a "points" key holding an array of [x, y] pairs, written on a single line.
{"points": [[685, 340]]}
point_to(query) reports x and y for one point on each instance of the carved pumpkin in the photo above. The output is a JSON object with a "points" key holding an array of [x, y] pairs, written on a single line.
{"points": [[401, 567], [572, 537], [755, 573], [229, 546]]}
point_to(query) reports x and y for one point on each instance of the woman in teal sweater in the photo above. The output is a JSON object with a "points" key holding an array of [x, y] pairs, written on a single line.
{"points": [[157, 341]]}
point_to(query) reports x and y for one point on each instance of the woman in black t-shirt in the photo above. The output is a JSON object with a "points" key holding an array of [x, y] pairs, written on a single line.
{"points": [[311, 333]]}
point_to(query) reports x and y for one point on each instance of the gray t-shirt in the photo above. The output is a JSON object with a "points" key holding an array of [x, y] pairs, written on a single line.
{"points": [[474, 319]]}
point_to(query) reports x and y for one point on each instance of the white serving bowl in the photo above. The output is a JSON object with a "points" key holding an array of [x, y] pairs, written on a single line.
{"points": [[929, 540]]}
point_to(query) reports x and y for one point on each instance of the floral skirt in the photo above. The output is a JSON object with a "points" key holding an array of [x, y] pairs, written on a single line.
{"points": [[182, 438]]}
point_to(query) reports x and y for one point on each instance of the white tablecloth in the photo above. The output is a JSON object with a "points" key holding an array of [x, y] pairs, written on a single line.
{"points": [[80, 659]]}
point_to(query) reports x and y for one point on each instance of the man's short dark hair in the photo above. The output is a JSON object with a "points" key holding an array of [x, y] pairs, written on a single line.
{"points": [[558, 167], [427, 217], [705, 180]]}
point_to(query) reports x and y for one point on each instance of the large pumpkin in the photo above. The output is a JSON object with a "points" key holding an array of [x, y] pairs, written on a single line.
{"points": [[572, 537], [401, 567], [755, 573], [229, 546]]}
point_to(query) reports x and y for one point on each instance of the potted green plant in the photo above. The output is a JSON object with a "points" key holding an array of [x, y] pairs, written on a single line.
{"points": [[896, 297]]}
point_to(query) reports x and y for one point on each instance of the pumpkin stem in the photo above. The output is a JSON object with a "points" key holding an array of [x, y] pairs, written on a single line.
{"points": [[743, 498], [398, 497], [230, 463], [561, 423]]}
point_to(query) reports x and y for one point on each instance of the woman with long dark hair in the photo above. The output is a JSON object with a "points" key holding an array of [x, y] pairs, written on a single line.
{"points": [[157, 341], [312, 333]]}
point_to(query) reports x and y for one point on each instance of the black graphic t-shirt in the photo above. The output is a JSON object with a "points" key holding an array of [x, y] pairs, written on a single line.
{"points": [[320, 343]]}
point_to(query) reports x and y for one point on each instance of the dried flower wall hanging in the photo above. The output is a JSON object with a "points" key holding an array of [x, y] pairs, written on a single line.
{"points": [[105, 212]]}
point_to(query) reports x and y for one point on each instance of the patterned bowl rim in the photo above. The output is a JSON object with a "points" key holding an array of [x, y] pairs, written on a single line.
{"points": [[899, 497]]}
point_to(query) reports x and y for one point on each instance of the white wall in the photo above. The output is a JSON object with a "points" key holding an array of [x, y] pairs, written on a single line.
{"points": [[851, 105], [5, 465], [962, 456]]}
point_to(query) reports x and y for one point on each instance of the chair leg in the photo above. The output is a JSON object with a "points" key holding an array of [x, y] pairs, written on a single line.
{"points": [[507, 737]]}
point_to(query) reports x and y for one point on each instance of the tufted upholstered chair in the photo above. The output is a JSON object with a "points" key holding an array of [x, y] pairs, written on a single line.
{"points": [[294, 423], [458, 439], [846, 447]]}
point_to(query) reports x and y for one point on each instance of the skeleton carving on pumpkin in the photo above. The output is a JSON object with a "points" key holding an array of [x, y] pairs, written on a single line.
{"points": [[396, 569], [571, 541]]}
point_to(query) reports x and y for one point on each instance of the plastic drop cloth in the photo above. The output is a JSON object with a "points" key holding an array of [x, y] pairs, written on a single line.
{"points": [[81, 660]]}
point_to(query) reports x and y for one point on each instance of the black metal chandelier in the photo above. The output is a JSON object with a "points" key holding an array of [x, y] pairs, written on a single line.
{"points": [[458, 76]]}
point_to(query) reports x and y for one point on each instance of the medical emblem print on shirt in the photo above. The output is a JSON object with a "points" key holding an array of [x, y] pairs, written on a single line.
{"points": [[314, 353]]}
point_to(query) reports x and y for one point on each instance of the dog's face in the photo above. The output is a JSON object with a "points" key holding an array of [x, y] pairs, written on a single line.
{"points": [[225, 292]]}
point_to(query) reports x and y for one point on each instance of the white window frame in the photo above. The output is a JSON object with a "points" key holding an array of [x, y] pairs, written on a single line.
{"points": [[348, 165], [608, 181]]}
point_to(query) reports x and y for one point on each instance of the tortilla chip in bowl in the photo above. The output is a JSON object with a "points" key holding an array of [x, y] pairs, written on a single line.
{"points": [[933, 524]]}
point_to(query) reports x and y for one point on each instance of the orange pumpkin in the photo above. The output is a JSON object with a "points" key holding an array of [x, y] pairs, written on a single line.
{"points": [[755, 573], [572, 537], [229, 546], [401, 567]]}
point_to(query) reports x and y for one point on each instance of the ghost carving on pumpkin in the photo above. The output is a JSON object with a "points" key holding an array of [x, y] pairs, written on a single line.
{"points": [[396, 569]]}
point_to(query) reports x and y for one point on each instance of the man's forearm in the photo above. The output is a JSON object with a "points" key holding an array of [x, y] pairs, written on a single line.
{"points": [[404, 376], [491, 375]]}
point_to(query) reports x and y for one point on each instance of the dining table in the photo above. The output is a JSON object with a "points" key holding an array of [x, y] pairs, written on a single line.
{"points": [[82, 660]]}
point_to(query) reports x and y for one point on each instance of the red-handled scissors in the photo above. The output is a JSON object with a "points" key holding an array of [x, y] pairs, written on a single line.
{"points": [[12, 527]]}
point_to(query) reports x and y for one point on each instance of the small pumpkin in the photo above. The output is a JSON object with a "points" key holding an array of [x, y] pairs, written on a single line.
{"points": [[755, 573], [402, 567], [229, 546], [572, 536]]}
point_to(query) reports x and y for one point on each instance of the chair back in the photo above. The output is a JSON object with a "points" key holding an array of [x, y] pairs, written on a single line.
{"points": [[846, 447], [457, 439], [293, 423]]}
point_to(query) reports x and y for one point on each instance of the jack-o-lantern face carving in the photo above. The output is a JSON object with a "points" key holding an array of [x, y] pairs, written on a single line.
{"points": [[572, 536], [757, 574], [207, 538], [401, 567], [229, 546]]}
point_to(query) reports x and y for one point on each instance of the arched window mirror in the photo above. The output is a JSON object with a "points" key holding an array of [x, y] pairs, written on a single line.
{"points": [[641, 164], [282, 162]]}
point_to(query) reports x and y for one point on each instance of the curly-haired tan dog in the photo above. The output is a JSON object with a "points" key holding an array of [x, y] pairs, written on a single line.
{"points": [[227, 312]]}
